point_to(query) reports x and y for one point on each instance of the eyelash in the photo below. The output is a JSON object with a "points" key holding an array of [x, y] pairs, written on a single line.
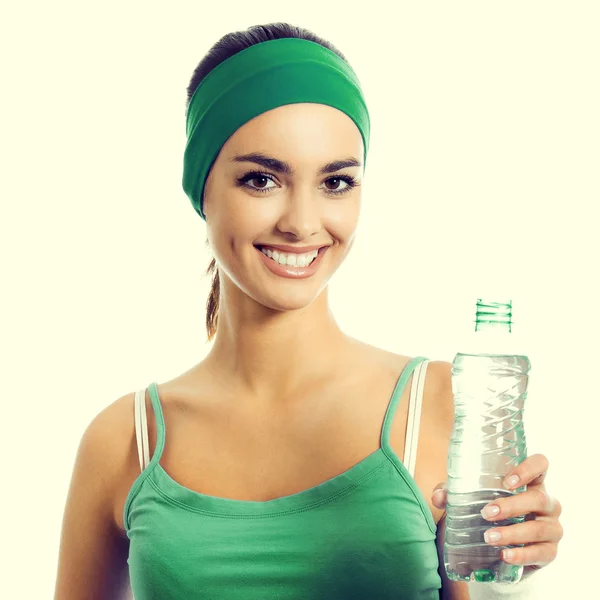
{"points": [[243, 181]]}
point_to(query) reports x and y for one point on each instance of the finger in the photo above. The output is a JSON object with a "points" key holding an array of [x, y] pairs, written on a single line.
{"points": [[528, 532], [536, 554], [532, 471], [533, 500], [439, 497]]}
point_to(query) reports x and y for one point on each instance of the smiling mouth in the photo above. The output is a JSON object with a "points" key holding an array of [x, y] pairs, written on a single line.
{"points": [[291, 259]]}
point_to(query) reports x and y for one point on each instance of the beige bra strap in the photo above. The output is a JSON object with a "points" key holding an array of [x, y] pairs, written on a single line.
{"points": [[141, 428], [414, 416]]}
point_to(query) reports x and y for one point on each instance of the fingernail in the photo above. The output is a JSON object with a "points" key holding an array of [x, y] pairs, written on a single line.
{"points": [[508, 554], [492, 536], [491, 510], [511, 482]]}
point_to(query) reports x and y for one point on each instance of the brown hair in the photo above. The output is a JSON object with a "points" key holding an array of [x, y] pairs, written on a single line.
{"points": [[229, 45]]}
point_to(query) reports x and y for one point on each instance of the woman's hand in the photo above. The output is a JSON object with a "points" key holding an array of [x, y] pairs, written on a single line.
{"points": [[540, 532]]}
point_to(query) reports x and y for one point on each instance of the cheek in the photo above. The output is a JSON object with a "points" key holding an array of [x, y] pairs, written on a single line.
{"points": [[341, 220], [240, 215], [231, 235], [223, 238]]}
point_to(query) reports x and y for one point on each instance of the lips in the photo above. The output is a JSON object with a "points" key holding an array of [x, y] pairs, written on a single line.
{"points": [[290, 271]]}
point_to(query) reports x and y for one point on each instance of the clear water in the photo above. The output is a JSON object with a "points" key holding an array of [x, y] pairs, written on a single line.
{"points": [[467, 556], [488, 440]]}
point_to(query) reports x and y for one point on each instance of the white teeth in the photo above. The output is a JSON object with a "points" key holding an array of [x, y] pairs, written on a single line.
{"points": [[291, 259]]}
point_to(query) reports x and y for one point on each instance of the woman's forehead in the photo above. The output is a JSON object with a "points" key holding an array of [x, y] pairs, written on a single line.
{"points": [[298, 134]]}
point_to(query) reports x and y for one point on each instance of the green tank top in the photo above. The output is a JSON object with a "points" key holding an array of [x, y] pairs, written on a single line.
{"points": [[366, 533]]}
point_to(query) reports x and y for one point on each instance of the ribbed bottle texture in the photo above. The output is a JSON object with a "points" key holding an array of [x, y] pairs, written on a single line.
{"points": [[489, 382]]}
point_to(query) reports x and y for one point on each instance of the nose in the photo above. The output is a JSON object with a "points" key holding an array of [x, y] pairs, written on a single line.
{"points": [[302, 215]]}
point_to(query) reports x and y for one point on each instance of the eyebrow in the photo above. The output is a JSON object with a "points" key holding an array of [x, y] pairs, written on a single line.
{"points": [[281, 166]]}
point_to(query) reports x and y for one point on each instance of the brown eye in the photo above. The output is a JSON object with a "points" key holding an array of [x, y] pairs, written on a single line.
{"points": [[335, 179], [252, 176], [261, 178], [335, 188]]}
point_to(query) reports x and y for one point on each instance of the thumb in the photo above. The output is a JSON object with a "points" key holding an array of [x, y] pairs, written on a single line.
{"points": [[440, 495]]}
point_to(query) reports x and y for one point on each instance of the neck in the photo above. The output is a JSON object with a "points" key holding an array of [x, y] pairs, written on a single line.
{"points": [[268, 354]]}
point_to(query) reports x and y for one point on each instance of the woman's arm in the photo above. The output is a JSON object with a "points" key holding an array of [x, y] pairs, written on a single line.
{"points": [[92, 563]]}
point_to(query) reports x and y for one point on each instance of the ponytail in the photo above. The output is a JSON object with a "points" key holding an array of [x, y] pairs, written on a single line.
{"points": [[212, 304]]}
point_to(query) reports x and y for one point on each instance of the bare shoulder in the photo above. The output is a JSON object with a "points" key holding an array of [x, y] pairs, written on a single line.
{"points": [[93, 551], [437, 377], [110, 436], [438, 399], [109, 448]]}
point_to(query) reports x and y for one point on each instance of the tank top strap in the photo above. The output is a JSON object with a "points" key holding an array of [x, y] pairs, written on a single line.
{"points": [[395, 399], [141, 426]]}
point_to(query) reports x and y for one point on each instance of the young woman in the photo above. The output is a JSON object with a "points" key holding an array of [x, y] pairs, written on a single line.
{"points": [[284, 464]]}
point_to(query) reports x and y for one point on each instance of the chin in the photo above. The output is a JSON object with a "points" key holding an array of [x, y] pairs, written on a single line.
{"points": [[286, 300]]}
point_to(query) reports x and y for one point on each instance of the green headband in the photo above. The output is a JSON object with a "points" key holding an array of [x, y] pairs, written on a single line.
{"points": [[258, 79]]}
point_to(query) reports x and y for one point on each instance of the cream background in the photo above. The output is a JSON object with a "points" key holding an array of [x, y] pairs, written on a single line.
{"points": [[485, 135]]}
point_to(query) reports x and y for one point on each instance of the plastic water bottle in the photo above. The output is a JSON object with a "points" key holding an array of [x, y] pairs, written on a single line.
{"points": [[489, 382]]}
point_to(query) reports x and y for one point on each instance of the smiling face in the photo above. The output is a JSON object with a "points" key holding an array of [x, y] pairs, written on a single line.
{"points": [[268, 214]]}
